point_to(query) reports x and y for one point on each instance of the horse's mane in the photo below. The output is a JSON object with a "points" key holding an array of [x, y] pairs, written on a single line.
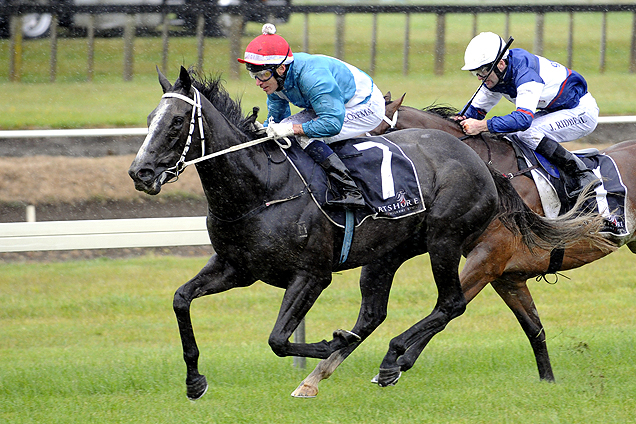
{"points": [[211, 87], [443, 110]]}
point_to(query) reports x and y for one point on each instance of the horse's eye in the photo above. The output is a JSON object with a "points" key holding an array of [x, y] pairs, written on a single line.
{"points": [[177, 121], [176, 126]]}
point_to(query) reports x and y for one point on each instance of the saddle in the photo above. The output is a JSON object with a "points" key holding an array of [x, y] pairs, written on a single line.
{"points": [[386, 177], [609, 199]]}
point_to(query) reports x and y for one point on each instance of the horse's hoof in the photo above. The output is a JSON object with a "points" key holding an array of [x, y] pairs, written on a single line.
{"points": [[197, 388], [387, 377], [305, 391]]}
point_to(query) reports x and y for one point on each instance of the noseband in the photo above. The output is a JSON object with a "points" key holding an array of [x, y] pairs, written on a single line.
{"points": [[198, 114]]}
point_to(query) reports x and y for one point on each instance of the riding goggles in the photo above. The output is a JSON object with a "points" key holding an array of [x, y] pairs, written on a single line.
{"points": [[482, 72], [263, 75]]}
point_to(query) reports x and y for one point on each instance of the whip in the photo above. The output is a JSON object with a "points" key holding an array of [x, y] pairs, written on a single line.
{"points": [[492, 68]]}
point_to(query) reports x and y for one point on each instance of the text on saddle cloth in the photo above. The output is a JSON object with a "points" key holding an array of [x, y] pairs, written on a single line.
{"points": [[383, 172]]}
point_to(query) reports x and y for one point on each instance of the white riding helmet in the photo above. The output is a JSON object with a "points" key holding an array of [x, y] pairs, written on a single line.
{"points": [[483, 50]]}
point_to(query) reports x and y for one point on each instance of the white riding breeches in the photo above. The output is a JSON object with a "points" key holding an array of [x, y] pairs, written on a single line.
{"points": [[562, 125], [358, 119]]}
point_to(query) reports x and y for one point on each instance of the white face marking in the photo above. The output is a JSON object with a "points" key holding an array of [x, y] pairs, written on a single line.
{"points": [[153, 127]]}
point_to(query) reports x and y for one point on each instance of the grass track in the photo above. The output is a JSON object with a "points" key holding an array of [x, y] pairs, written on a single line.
{"points": [[96, 341]]}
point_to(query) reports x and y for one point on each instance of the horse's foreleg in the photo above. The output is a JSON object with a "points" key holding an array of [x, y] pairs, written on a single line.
{"points": [[217, 276], [518, 298], [375, 286], [196, 383], [299, 297]]}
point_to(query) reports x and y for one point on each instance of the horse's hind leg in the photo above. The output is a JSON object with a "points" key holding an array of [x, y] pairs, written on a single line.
{"points": [[406, 348], [375, 284], [518, 298], [215, 277]]}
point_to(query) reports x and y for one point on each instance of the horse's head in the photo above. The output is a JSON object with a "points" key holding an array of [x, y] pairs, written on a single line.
{"points": [[161, 155], [390, 114]]}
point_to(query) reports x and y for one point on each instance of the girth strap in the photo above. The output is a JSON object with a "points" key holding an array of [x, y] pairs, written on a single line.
{"points": [[348, 237]]}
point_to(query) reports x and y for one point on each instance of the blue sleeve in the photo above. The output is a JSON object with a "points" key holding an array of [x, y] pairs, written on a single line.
{"points": [[277, 108], [475, 113], [321, 90], [519, 120]]}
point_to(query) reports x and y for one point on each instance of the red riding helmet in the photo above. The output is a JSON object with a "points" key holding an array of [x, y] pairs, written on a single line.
{"points": [[268, 49]]}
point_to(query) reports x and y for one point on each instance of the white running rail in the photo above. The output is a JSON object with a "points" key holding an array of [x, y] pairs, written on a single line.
{"points": [[117, 233], [107, 132], [102, 234]]}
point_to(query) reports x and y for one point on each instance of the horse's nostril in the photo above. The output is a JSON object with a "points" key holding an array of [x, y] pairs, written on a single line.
{"points": [[145, 175]]}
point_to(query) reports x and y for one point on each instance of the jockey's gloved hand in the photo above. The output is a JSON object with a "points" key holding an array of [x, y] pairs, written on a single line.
{"points": [[280, 130]]}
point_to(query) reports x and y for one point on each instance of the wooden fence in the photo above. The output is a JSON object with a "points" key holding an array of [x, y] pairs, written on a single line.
{"points": [[340, 12]]}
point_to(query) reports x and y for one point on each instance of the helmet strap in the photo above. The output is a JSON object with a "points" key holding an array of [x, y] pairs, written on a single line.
{"points": [[280, 79], [498, 73], [495, 67]]}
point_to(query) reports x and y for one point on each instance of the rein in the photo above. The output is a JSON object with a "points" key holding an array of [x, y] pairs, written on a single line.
{"points": [[197, 118], [198, 114], [393, 124], [481, 136]]}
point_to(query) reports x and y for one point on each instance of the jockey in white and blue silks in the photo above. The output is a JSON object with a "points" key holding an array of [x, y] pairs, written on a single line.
{"points": [[552, 102], [339, 101]]}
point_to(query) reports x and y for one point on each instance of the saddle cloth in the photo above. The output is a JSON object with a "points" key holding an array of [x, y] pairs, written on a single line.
{"points": [[380, 168], [609, 199]]}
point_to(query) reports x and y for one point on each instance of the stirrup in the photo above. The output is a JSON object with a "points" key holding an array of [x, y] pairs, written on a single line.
{"points": [[347, 202], [586, 178]]}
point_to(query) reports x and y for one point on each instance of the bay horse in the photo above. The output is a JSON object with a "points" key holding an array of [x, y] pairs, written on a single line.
{"points": [[514, 267], [257, 201]]}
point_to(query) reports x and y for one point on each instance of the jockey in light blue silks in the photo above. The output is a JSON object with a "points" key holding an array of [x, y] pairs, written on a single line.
{"points": [[339, 101], [552, 103]]}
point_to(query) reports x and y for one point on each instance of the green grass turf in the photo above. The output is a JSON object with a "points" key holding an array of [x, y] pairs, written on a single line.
{"points": [[97, 341]]}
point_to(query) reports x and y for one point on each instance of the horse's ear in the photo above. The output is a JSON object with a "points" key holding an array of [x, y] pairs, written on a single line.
{"points": [[184, 77], [387, 97], [252, 117], [401, 99], [165, 84]]}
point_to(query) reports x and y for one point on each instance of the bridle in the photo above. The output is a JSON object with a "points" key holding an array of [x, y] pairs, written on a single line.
{"points": [[196, 112], [197, 118], [393, 121]]}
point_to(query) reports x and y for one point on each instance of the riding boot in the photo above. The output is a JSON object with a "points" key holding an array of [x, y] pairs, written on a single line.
{"points": [[570, 164], [351, 196]]}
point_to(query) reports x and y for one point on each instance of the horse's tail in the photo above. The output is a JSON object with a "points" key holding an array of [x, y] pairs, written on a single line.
{"points": [[548, 233]]}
